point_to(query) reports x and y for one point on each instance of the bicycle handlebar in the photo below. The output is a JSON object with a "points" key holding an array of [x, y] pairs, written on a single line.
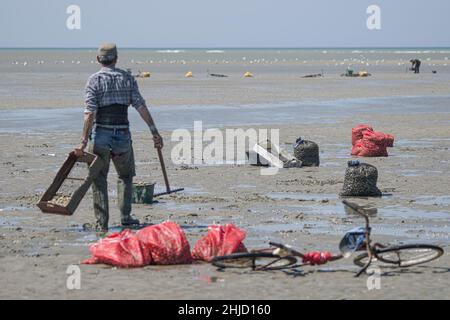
{"points": [[358, 210]]}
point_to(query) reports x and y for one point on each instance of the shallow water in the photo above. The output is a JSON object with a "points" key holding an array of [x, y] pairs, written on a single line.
{"points": [[384, 210], [433, 200], [15, 208], [426, 233], [301, 196], [387, 214], [191, 191], [214, 116], [409, 213]]}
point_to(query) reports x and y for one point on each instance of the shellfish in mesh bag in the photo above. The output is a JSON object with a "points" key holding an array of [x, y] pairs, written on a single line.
{"points": [[307, 152], [360, 180]]}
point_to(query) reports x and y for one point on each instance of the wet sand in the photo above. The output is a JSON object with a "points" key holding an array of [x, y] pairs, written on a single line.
{"points": [[297, 206], [61, 75]]}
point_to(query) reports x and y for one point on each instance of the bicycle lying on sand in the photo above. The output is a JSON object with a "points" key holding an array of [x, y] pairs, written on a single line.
{"points": [[281, 256]]}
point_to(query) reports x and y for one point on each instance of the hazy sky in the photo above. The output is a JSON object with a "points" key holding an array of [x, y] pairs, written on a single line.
{"points": [[225, 23]]}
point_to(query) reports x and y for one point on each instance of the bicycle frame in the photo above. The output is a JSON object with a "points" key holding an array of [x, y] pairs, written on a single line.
{"points": [[352, 242], [370, 250]]}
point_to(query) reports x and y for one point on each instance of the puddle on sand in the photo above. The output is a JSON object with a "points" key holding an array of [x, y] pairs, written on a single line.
{"points": [[301, 196], [329, 164], [243, 186], [343, 152], [387, 198], [415, 143], [315, 227], [404, 212], [13, 208], [380, 206], [410, 173], [417, 173], [213, 116], [191, 191], [77, 236], [86, 239], [396, 211], [394, 154], [422, 232], [11, 221], [433, 200], [175, 206]]}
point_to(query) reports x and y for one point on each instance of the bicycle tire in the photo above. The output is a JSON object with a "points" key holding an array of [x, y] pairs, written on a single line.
{"points": [[262, 261], [384, 255]]}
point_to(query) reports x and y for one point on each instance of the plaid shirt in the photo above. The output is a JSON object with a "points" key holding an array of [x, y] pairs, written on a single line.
{"points": [[112, 86]]}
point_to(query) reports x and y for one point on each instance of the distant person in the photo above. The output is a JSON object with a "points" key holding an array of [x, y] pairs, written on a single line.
{"points": [[415, 65], [109, 93]]}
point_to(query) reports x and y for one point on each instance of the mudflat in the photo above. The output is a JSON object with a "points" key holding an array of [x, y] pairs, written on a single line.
{"points": [[56, 78], [300, 207]]}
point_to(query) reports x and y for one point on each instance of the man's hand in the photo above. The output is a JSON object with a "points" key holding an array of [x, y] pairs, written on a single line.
{"points": [[88, 122], [79, 150], [147, 117], [158, 141]]}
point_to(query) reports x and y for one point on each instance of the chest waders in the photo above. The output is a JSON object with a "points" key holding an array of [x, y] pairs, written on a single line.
{"points": [[113, 121]]}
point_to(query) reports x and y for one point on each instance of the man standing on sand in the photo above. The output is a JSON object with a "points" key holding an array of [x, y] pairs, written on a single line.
{"points": [[109, 93], [415, 65]]}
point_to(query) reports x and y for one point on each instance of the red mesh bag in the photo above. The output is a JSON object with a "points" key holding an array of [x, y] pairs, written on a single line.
{"points": [[357, 132], [379, 138], [368, 148], [389, 140], [119, 249], [219, 241], [369, 143], [166, 243]]}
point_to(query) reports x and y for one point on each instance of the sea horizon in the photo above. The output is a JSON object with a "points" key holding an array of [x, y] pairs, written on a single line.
{"points": [[427, 48]]}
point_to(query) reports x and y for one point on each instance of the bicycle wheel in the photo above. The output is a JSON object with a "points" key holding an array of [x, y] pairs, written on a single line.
{"points": [[403, 255], [262, 261]]}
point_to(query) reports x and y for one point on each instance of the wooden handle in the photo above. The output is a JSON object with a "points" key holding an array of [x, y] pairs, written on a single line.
{"points": [[163, 167]]}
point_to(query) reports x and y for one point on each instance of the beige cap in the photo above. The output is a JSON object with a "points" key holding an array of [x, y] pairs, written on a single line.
{"points": [[107, 50]]}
